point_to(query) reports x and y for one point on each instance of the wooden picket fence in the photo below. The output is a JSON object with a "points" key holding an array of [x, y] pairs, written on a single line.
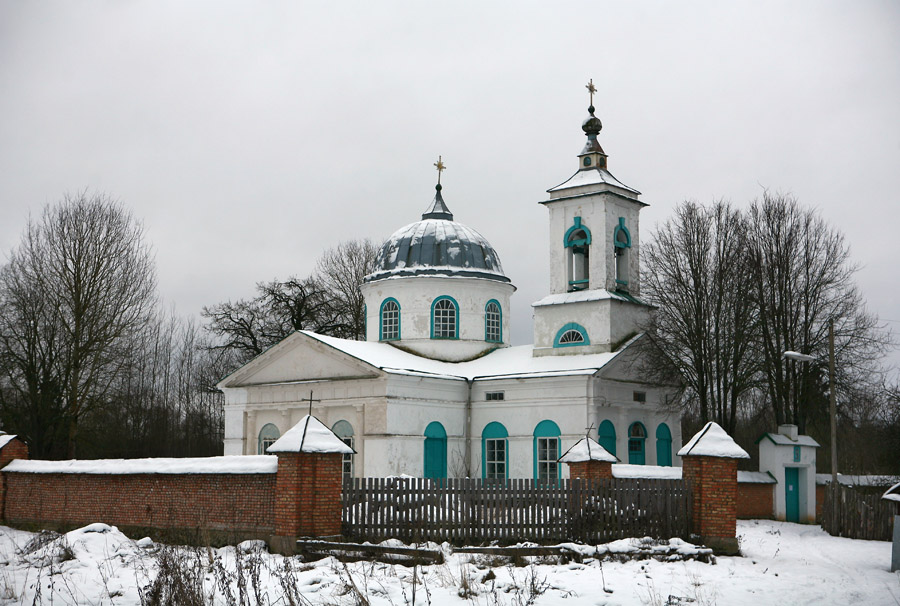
{"points": [[857, 514], [473, 511]]}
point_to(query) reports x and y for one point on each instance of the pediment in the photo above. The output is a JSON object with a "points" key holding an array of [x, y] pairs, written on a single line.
{"points": [[299, 358]]}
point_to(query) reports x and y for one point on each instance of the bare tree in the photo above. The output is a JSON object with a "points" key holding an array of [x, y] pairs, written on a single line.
{"points": [[78, 287], [802, 278], [341, 271], [703, 331]]}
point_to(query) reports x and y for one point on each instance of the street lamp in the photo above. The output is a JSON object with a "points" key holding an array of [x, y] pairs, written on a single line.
{"points": [[799, 357]]}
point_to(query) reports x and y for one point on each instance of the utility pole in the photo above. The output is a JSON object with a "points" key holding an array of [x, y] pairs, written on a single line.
{"points": [[831, 405]]}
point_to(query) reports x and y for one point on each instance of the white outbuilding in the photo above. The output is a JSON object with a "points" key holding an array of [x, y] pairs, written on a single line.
{"points": [[791, 459], [436, 389]]}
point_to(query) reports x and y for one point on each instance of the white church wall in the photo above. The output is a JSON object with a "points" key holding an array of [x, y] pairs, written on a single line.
{"points": [[593, 316], [416, 295], [617, 207], [562, 217]]}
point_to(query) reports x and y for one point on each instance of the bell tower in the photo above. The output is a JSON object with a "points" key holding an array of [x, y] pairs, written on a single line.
{"points": [[594, 301]]}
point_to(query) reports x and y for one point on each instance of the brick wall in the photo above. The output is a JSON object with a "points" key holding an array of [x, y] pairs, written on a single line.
{"points": [[714, 485], [239, 504], [14, 449], [308, 501], [591, 470], [755, 500]]}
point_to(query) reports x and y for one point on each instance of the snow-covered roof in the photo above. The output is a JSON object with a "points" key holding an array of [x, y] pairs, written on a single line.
{"points": [[6, 438], [713, 441], [583, 296], [592, 176], [587, 449], [782, 440], [310, 435], [237, 464], [892, 493], [855, 480], [503, 362], [755, 477]]}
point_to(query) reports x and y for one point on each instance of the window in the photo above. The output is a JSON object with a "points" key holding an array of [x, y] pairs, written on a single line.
{"points": [[796, 454], [494, 448], [390, 320], [344, 431], [444, 313], [663, 446], [267, 436], [578, 243], [493, 322], [571, 335], [640, 396], [546, 451], [606, 436], [621, 246], [636, 437], [493, 395]]}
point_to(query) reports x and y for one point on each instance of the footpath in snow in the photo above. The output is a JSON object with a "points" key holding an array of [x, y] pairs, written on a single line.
{"points": [[782, 564]]}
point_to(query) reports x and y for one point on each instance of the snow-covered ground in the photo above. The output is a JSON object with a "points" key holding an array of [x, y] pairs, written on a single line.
{"points": [[782, 564]]}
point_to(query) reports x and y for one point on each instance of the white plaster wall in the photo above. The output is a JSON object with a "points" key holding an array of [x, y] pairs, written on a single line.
{"points": [[416, 294]]}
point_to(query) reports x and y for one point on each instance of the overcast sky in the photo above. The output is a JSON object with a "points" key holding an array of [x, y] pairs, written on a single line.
{"points": [[250, 136]]}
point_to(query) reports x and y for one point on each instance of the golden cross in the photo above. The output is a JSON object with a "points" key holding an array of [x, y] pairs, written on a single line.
{"points": [[440, 168], [591, 89]]}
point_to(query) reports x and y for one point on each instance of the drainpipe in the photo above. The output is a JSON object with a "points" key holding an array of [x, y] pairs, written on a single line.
{"points": [[467, 457]]}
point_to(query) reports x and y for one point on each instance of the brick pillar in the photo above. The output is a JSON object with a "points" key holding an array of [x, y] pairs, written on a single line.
{"points": [[590, 470], [713, 481], [13, 449], [307, 498]]}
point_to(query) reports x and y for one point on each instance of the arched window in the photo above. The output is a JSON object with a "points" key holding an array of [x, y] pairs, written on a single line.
{"points": [[621, 246], [546, 451], [435, 451], [578, 243], [493, 322], [444, 318], [663, 445], [390, 320], [571, 334], [606, 436], [637, 435], [267, 436], [494, 450], [344, 431]]}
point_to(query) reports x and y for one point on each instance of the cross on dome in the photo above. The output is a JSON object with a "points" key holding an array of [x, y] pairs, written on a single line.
{"points": [[441, 167], [591, 89]]}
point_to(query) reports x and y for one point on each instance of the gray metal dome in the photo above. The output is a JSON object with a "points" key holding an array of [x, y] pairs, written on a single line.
{"points": [[437, 245]]}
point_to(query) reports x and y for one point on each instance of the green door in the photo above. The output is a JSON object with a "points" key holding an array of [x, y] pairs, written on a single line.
{"points": [[792, 493], [435, 458]]}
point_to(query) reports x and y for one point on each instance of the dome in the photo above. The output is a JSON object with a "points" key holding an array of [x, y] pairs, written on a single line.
{"points": [[438, 247]]}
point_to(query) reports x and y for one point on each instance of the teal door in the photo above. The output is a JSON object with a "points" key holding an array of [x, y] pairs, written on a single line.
{"points": [[435, 458], [636, 437], [435, 451], [792, 493]]}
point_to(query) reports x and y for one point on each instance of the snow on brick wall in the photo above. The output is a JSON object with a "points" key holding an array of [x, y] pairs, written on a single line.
{"points": [[238, 503]]}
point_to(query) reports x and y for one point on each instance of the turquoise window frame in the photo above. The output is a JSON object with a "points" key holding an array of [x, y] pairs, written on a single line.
{"points": [[643, 442], [796, 454], [381, 320], [271, 434], [566, 328], [606, 436], [494, 431], [663, 445], [621, 228], [456, 312], [578, 225], [435, 431], [499, 339], [545, 429]]}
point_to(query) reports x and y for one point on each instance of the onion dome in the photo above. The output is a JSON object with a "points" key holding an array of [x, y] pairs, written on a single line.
{"points": [[438, 246]]}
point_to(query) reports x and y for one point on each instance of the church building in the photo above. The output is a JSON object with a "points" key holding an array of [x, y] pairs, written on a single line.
{"points": [[436, 390]]}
